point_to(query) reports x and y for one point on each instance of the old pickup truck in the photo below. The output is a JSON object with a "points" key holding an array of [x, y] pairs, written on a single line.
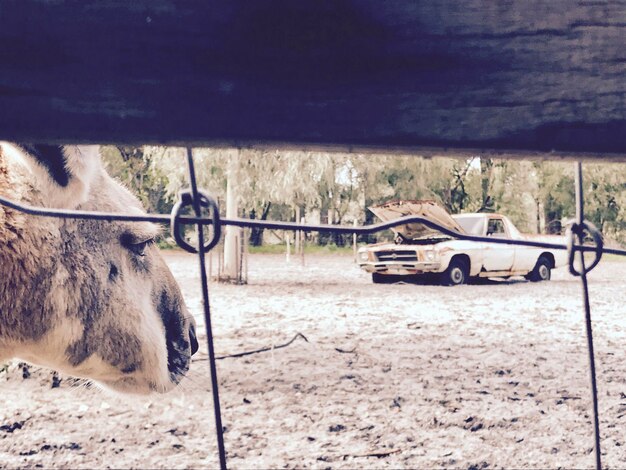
{"points": [[421, 250]]}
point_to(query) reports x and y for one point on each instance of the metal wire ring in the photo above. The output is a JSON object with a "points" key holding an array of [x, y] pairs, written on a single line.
{"points": [[578, 230], [185, 199]]}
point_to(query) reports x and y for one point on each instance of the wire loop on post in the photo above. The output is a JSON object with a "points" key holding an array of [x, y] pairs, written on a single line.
{"points": [[578, 231], [185, 199]]}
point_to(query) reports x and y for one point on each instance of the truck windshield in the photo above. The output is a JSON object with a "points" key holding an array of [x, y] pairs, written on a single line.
{"points": [[472, 225]]}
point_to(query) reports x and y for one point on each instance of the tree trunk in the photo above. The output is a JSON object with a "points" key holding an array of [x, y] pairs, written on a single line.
{"points": [[553, 214], [230, 272], [539, 210], [256, 234], [486, 165], [296, 244]]}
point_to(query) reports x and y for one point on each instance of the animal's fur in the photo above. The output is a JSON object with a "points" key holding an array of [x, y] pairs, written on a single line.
{"points": [[74, 295]]}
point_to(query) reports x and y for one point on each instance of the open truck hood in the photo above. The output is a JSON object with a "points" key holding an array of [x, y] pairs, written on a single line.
{"points": [[428, 209]]}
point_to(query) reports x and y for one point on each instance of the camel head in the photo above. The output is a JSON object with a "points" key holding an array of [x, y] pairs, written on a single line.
{"points": [[89, 298]]}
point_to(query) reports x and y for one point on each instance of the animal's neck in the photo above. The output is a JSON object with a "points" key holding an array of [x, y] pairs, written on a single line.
{"points": [[14, 185], [25, 254]]}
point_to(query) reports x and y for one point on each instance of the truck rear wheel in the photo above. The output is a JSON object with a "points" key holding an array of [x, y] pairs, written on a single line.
{"points": [[456, 274], [541, 271]]}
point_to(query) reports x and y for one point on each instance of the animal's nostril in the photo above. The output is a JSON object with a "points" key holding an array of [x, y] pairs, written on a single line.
{"points": [[193, 339], [113, 272]]}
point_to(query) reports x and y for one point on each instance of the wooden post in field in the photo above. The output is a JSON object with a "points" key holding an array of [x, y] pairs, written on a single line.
{"points": [[288, 257], [302, 239], [220, 262], [231, 265], [242, 279], [296, 237], [246, 252], [210, 265], [354, 247]]}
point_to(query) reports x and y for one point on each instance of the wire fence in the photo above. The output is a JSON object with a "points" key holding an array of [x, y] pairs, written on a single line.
{"points": [[582, 238]]}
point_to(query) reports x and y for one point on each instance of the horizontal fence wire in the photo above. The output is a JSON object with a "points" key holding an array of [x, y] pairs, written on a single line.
{"points": [[295, 226]]}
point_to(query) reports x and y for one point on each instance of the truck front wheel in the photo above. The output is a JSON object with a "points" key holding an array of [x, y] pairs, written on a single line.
{"points": [[456, 274]]}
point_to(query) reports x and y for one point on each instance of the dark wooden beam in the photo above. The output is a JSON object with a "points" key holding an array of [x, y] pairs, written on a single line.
{"points": [[520, 75]]}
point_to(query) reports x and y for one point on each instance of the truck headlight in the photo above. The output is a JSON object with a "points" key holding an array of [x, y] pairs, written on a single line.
{"points": [[364, 256], [429, 255]]}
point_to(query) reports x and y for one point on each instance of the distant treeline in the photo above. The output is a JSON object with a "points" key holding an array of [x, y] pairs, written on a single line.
{"points": [[338, 188]]}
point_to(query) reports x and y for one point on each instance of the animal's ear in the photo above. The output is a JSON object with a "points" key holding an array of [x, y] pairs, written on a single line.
{"points": [[64, 174]]}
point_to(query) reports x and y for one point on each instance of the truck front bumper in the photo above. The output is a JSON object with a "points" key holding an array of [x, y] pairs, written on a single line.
{"points": [[400, 267]]}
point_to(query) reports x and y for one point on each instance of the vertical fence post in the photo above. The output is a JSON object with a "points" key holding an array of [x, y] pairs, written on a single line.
{"points": [[580, 220], [219, 430]]}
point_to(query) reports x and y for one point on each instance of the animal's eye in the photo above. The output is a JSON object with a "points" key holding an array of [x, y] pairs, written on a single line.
{"points": [[140, 248], [136, 247]]}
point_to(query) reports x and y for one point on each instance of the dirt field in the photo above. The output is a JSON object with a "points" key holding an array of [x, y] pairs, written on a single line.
{"points": [[479, 376]]}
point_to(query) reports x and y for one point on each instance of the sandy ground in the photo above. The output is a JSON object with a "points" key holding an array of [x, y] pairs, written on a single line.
{"points": [[479, 376]]}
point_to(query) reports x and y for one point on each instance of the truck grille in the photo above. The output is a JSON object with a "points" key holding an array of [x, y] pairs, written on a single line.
{"points": [[397, 255]]}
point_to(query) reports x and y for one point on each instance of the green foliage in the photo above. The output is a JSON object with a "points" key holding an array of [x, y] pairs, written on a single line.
{"points": [[134, 168], [605, 199]]}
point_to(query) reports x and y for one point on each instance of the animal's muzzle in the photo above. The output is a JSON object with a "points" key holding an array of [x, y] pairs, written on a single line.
{"points": [[181, 345]]}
